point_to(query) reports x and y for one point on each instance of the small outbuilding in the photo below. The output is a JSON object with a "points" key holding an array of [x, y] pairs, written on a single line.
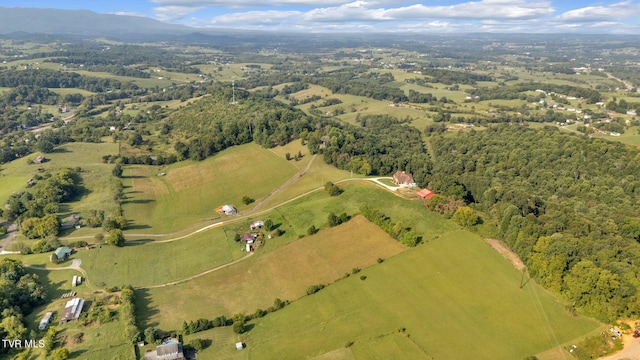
{"points": [[425, 194], [239, 346], [61, 254], [45, 320], [256, 225]]}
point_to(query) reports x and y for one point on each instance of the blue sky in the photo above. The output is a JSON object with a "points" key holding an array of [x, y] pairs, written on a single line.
{"points": [[441, 16]]}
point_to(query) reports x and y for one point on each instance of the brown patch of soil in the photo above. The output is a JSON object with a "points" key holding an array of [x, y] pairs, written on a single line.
{"points": [[506, 253]]}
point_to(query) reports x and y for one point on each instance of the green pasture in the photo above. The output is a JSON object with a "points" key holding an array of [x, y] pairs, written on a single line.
{"points": [[190, 191], [10, 183], [66, 91], [145, 83], [284, 268], [315, 176], [455, 298], [140, 263], [285, 273], [96, 176], [223, 344]]}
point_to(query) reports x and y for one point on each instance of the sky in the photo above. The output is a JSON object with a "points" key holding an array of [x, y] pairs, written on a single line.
{"points": [[439, 16]]}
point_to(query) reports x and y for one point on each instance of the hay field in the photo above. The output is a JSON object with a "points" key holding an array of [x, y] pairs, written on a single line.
{"points": [[283, 273], [455, 297], [190, 191]]}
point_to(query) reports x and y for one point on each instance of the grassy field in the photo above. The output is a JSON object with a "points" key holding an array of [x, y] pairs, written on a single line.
{"points": [[96, 176], [190, 191], [109, 266], [445, 294], [284, 273]]}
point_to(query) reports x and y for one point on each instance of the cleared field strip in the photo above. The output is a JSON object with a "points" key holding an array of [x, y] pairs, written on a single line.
{"points": [[456, 297], [284, 273]]}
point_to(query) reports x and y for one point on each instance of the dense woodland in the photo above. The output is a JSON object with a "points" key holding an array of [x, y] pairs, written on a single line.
{"points": [[568, 205]]}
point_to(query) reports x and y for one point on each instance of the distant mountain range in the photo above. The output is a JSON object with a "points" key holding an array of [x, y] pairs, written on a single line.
{"points": [[82, 22]]}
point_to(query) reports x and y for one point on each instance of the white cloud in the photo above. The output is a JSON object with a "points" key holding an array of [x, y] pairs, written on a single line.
{"points": [[254, 18], [170, 13], [248, 3], [129, 13], [600, 13], [484, 9]]}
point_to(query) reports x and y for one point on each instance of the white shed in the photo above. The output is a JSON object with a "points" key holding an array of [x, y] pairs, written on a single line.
{"points": [[239, 346]]}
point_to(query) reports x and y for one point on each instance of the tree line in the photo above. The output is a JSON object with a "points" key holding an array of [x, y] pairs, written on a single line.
{"points": [[566, 204]]}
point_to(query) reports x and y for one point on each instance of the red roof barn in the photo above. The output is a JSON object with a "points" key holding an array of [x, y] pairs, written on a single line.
{"points": [[426, 193]]}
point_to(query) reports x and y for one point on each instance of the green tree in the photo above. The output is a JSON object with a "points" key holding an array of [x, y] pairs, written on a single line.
{"points": [[60, 354], [268, 225], [465, 216], [117, 171], [151, 334], [333, 219], [116, 237]]}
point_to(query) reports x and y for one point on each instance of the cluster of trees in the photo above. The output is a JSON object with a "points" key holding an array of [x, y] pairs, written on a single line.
{"points": [[20, 293], [380, 146], [449, 77], [46, 78], [37, 207], [238, 321], [212, 124], [566, 204], [127, 313], [193, 327], [622, 105], [397, 231], [518, 91]]}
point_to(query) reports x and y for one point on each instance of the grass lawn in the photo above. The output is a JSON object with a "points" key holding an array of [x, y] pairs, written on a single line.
{"points": [[190, 191], [223, 344], [96, 176], [284, 273], [455, 297]]}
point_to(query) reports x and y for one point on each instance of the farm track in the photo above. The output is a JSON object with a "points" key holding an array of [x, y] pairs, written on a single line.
{"points": [[76, 263]]}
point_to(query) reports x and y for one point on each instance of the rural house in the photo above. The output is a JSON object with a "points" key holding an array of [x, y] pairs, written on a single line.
{"points": [[403, 179], [72, 310], [61, 254], [171, 351]]}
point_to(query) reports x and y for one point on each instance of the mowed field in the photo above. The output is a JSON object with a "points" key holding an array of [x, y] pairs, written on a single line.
{"points": [[283, 273], [455, 297], [190, 191], [96, 176], [109, 266]]}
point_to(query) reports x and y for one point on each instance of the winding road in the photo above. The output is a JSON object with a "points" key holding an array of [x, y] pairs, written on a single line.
{"points": [[76, 263]]}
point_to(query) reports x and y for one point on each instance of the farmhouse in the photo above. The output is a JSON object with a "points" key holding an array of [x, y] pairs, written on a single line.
{"points": [[72, 310], [249, 238], [171, 351], [61, 254], [45, 320], [403, 179], [425, 194]]}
